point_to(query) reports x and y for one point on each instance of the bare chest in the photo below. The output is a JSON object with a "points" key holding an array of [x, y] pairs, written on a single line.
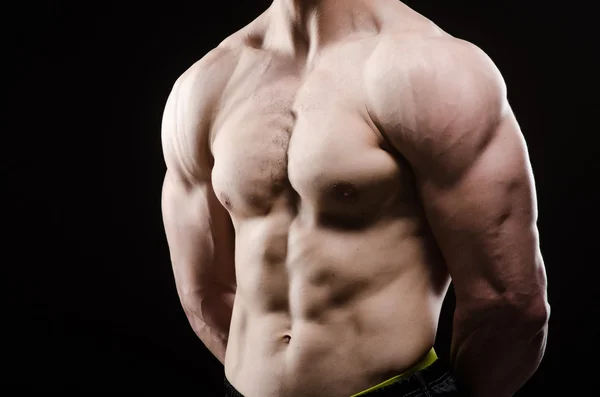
{"points": [[306, 141]]}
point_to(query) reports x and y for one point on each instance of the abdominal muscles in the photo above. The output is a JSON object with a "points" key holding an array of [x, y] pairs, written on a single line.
{"points": [[325, 310]]}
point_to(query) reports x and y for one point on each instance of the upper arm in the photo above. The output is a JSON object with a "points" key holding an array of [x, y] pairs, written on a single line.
{"points": [[198, 228], [473, 173]]}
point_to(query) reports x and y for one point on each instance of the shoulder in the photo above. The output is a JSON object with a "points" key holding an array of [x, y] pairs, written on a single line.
{"points": [[420, 58], [206, 77], [189, 111], [433, 81]]}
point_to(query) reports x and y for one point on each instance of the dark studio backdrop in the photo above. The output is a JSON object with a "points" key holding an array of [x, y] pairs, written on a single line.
{"points": [[92, 303]]}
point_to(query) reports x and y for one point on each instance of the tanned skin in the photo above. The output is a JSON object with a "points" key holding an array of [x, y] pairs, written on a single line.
{"points": [[331, 167]]}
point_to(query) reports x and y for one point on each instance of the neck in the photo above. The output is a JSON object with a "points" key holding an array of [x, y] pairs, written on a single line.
{"points": [[304, 26]]}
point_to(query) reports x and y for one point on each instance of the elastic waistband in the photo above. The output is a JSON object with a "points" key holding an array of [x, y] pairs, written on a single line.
{"points": [[429, 359]]}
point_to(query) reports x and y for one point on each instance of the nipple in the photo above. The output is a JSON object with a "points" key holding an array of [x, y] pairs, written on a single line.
{"points": [[345, 190], [226, 201]]}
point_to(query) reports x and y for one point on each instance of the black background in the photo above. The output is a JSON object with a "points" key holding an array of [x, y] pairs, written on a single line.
{"points": [[91, 303]]}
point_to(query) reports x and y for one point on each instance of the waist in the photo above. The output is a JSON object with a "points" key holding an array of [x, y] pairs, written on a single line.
{"points": [[425, 362], [341, 377], [343, 352]]}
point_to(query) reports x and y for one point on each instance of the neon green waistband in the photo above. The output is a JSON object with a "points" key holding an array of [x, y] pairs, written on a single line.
{"points": [[429, 359]]}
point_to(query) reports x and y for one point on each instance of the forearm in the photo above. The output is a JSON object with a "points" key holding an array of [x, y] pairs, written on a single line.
{"points": [[496, 350], [210, 318]]}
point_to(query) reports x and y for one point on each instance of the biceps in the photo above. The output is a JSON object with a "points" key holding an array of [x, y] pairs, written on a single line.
{"points": [[199, 237], [485, 222]]}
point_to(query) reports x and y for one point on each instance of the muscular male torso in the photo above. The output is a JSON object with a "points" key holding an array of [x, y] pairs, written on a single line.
{"points": [[339, 282]]}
